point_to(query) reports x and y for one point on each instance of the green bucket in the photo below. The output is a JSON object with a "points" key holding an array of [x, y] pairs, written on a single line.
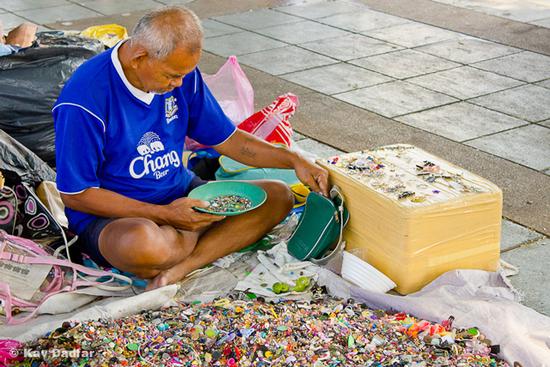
{"points": [[211, 190]]}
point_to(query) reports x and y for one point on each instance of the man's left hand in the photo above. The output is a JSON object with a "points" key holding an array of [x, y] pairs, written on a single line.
{"points": [[312, 175]]}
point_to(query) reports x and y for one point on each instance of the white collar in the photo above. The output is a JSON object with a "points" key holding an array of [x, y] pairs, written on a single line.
{"points": [[145, 97]]}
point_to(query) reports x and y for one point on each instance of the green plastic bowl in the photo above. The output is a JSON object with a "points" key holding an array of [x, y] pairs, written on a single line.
{"points": [[209, 191]]}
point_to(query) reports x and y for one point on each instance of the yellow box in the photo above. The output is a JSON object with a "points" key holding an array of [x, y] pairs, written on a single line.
{"points": [[415, 216]]}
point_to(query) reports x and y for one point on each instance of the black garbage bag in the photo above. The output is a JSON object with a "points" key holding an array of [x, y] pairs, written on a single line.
{"points": [[16, 158], [30, 82]]}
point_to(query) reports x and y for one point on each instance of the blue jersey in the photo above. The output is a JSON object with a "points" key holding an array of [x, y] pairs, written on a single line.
{"points": [[113, 136]]}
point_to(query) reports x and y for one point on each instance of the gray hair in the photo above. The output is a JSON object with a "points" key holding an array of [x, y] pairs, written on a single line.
{"points": [[162, 31]]}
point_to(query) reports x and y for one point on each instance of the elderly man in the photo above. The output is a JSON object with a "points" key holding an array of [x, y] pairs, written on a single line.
{"points": [[120, 125]]}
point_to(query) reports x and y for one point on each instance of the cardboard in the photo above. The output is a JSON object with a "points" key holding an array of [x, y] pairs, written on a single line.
{"points": [[414, 216]]}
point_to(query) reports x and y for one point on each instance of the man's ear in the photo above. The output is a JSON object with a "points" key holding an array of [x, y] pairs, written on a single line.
{"points": [[139, 55]]}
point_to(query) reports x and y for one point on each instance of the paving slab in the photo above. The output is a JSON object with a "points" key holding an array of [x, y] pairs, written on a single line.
{"points": [[350, 47], [528, 66], [109, 7], [522, 10], [175, 2], [285, 60], [542, 22], [240, 44], [489, 27], [545, 123], [545, 84], [533, 277], [363, 20], [514, 235], [297, 136], [10, 21], [468, 50], [528, 145], [528, 102], [16, 5], [404, 64], [212, 28], [395, 98], [305, 31], [322, 9], [257, 19], [318, 149], [465, 82], [336, 78], [412, 34], [58, 14], [461, 121]]}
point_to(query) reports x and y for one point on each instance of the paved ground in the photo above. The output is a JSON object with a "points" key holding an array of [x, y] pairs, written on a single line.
{"points": [[466, 79]]}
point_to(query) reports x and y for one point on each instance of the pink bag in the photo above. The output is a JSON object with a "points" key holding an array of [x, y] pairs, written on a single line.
{"points": [[272, 122], [232, 90], [234, 93], [20, 257]]}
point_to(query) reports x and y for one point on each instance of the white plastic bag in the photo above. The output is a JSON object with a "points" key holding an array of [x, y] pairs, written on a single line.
{"points": [[232, 90]]}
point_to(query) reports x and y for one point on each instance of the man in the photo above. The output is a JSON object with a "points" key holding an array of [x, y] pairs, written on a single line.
{"points": [[20, 37], [120, 125]]}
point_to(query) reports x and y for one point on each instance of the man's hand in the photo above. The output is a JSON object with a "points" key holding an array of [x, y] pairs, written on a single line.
{"points": [[182, 215], [22, 36], [312, 175]]}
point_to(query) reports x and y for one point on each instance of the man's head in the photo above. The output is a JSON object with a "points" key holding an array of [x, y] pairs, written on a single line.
{"points": [[165, 46]]}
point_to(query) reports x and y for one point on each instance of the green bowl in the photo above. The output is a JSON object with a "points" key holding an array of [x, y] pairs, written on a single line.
{"points": [[213, 189]]}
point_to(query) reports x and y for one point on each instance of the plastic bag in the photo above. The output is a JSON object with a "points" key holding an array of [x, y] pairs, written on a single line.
{"points": [[272, 122], [234, 93], [108, 34], [232, 90], [15, 157], [31, 82]]}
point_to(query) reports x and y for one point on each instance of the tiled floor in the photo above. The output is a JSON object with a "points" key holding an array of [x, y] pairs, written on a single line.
{"points": [[404, 64], [533, 11], [474, 121], [344, 49]]}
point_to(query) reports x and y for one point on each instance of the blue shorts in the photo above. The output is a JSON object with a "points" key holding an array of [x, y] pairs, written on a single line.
{"points": [[88, 241]]}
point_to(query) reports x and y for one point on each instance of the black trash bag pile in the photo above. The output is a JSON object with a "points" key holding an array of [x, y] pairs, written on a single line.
{"points": [[16, 158], [31, 82]]}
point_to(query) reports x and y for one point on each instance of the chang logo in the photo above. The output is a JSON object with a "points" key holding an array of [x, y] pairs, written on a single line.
{"points": [[170, 109], [150, 161]]}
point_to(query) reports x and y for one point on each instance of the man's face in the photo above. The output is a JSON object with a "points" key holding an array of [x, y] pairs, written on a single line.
{"points": [[163, 75]]}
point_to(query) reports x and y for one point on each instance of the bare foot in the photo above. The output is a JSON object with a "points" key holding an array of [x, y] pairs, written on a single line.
{"points": [[157, 282], [169, 276]]}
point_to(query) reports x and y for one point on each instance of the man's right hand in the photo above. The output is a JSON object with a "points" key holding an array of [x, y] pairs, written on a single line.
{"points": [[181, 215]]}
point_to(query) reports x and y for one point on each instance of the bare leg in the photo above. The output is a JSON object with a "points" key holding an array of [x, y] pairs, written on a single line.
{"points": [[233, 233], [148, 250], [142, 247]]}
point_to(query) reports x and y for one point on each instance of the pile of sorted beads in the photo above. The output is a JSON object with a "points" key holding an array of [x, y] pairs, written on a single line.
{"points": [[229, 203], [228, 332]]}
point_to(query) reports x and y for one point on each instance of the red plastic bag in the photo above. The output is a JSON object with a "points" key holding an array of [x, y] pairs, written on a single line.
{"points": [[272, 122]]}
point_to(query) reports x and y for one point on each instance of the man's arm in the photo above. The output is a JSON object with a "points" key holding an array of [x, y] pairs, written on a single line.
{"points": [[250, 150], [106, 203]]}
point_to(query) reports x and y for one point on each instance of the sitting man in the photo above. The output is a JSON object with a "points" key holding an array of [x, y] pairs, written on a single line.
{"points": [[120, 124], [20, 37]]}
